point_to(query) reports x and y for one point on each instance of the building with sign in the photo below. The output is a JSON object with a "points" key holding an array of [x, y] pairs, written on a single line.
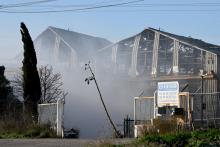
{"points": [[153, 56]]}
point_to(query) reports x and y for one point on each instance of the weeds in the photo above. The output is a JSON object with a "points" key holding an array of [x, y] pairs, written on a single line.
{"points": [[209, 137], [18, 130]]}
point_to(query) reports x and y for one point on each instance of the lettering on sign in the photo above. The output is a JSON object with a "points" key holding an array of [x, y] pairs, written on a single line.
{"points": [[168, 94]]}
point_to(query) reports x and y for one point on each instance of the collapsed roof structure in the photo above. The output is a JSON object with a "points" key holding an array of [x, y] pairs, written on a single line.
{"points": [[160, 55], [153, 56], [56, 45]]}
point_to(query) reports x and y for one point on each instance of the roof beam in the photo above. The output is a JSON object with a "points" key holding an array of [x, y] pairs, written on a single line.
{"points": [[180, 41]]}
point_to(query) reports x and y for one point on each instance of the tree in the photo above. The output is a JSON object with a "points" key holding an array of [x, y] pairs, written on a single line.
{"points": [[5, 91], [51, 85], [17, 84], [7, 98], [31, 80]]}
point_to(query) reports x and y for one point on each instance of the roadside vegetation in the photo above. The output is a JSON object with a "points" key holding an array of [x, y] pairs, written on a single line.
{"points": [[19, 100], [210, 137], [199, 138], [11, 130]]}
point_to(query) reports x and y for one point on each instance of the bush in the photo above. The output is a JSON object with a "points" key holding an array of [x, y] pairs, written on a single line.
{"points": [[205, 138], [16, 130], [209, 137], [152, 138], [32, 133], [48, 133], [179, 139], [40, 131], [45, 134], [12, 135]]}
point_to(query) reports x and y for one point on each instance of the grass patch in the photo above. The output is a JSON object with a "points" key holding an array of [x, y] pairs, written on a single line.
{"points": [[209, 137], [39, 131], [15, 130]]}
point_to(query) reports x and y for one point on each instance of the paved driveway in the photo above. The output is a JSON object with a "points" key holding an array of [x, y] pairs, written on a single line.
{"points": [[58, 142]]}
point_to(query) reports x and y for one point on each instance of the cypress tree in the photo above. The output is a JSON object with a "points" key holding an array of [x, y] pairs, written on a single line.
{"points": [[31, 80]]}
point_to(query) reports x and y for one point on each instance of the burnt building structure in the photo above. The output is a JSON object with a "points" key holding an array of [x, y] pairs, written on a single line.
{"points": [[153, 56], [64, 47]]}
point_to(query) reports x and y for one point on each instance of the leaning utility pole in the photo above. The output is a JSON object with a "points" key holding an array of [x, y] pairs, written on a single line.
{"points": [[87, 66]]}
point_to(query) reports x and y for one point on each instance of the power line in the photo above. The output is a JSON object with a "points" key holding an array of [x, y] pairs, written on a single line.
{"points": [[174, 4], [185, 11], [141, 5], [24, 4], [125, 11], [126, 5], [72, 10], [78, 5], [32, 4]]}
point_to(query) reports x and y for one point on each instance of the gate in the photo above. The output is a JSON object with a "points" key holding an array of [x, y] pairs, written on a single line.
{"points": [[128, 127]]}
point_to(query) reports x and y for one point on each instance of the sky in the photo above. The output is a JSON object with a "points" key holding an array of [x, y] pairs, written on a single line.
{"points": [[198, 19]]}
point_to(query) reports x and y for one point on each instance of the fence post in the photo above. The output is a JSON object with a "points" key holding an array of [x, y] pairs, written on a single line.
{"points": [[60, 106], [124, 127], [129, 127]]}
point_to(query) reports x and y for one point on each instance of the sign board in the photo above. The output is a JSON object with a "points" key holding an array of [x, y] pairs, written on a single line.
{"points": [[168, 94]]}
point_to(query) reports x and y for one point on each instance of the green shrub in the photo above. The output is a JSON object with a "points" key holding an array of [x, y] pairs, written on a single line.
{"points": [[12, 129], [32, 132], [40, 131], [11, 135], [47, 134], [179, 139], [152, 138], [209, 137], [44, 134]]}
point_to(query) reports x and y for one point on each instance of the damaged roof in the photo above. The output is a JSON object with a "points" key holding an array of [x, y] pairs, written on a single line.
{"points": [[188, 40], [76, 39], [81, 43], [195, 42]]}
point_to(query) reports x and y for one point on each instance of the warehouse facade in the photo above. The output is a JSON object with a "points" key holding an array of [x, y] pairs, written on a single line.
{"points": [[154, 56]]}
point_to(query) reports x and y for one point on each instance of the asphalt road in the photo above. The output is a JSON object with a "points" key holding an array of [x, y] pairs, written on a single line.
{"points": [[59, 142]]}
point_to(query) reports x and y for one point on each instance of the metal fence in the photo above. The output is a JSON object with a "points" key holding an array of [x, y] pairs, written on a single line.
{"points": [[206, 109], [128, 127], [200, 109]]}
